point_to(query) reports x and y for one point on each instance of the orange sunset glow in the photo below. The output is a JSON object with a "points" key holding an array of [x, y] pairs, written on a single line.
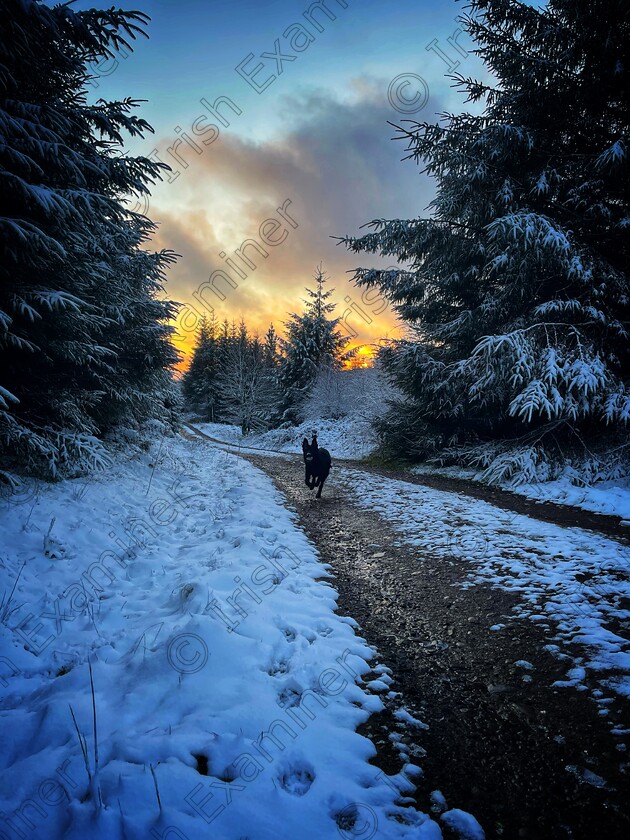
{"points": [[255, 264]]}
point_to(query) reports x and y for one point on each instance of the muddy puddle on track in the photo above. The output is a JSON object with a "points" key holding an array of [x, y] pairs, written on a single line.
{"points": [[512, 754]]}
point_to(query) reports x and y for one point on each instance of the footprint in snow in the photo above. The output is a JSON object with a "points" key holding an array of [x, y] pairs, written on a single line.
{"points": [[278, 667], [296, 777], [289, 633], [288, 697]]}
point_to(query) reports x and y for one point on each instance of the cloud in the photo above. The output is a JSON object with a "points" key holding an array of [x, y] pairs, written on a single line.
{"points": [[334, 162]]}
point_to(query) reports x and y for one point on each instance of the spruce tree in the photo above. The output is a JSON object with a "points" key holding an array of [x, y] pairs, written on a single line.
{"points": [[246, 381], [84, 339], [270, 385], [234, 377], [312, 342], [199, 383], [516, 289], [270, 348]]}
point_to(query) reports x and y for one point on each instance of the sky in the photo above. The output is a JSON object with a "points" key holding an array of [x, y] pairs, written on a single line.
{"points": [[274, 118]]}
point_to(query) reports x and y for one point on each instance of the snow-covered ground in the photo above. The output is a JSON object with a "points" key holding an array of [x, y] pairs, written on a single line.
{"points": [[609, 497], [566, 575], [348, 437], [227, 691]]}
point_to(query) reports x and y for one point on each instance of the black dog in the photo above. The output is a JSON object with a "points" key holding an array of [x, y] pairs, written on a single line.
{"points": [[317, 465]]}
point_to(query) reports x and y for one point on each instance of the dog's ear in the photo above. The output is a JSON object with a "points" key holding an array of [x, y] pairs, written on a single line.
{"points": [[304, 444], [314, 441]]}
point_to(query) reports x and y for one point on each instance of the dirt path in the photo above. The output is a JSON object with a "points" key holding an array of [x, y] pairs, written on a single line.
{"points": [[513, 754]]}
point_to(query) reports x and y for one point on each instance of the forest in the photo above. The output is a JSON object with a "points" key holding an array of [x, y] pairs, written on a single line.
{"points": [[278, 577]]}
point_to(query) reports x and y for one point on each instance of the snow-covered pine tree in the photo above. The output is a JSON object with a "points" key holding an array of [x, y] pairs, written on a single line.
{"points": [[270, 348], [264, 389], [234, 378], [312, 341], [516, 290], [83, 336], [246, 381], [270, 395], [199, 386], [140, 384]]}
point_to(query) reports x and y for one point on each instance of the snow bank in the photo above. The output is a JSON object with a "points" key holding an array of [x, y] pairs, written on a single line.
{"points": [[227, 690]]}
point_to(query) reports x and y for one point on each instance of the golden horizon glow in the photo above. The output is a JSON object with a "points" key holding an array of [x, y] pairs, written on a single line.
{"points": [[363, 354]]}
